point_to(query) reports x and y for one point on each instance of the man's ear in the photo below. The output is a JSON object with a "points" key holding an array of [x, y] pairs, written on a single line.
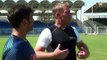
{"points": [[24, 22]]}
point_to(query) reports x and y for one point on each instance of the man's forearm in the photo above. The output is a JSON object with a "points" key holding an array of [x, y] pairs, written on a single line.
{"points": [[44, 55]]}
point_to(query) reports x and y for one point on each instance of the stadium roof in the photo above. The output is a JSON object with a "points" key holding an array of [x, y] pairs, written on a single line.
{"points": [[43, 5], [97, 13], [99, 7]]}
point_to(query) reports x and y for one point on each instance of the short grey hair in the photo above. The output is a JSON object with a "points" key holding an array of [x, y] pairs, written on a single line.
{"points": [[59, 7]]}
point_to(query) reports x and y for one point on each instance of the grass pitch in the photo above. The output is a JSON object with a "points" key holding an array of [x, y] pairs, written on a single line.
{"points": [[97, 45]]}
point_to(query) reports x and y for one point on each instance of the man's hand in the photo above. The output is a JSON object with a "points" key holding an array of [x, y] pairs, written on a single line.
{"points": [[83, 50], [82, 54], [60, 54]]}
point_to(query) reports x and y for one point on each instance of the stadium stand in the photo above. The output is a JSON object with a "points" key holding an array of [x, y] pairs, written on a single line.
{"points": [[96, 19], [5, 27]]}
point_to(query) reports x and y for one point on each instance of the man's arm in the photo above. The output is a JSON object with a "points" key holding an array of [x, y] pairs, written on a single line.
{"points": [[83, 50], [57, 54]]}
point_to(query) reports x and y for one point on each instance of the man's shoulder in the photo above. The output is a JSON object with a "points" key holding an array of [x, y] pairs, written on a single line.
{"points": [[70, 27], [19, 49], [45, 31], [15, 43]]}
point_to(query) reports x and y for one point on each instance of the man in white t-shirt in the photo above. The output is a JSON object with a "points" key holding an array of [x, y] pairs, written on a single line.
{"points": [[60, 40]]}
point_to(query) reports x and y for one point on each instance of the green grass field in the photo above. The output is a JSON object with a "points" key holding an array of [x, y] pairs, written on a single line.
{"points": [[97, 45]]}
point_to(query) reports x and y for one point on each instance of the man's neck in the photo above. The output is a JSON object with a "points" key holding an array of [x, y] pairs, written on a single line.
{"points": [[59, 24], [19, 33]]}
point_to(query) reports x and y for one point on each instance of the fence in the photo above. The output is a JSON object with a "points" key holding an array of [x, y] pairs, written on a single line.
{"points": [[7, 31], [87, 30], [97, 30]]}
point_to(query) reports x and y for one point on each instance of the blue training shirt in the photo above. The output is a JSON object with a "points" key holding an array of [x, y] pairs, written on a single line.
{"points": [[18, 49]]}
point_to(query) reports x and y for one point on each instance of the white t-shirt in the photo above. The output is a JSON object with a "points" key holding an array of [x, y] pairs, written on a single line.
{"points": [[45, 37]]}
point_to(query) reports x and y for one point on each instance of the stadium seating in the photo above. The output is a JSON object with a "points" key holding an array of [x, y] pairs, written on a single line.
{"points": [[5, 27]]}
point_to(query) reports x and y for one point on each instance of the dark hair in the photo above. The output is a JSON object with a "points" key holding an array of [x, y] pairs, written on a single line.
{"points": [[18, 13]]}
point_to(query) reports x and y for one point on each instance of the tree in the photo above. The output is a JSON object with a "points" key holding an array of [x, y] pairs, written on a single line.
{"points": [[34, 3], [1, 4], [21, 2], [9, 3]]}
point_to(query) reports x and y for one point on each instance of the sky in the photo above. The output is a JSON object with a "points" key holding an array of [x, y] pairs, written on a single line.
{"points": [[88, 4]]}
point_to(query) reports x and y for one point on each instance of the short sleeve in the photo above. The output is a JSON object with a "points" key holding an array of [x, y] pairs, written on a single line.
{"points": [[45, 38], [77, 34]]}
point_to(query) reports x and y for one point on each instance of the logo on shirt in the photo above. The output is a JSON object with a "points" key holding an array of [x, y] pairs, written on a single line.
{"points": [[72, 37], [32, 57]]}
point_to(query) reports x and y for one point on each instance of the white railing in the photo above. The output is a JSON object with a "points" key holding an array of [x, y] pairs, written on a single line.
{"points": [[7, 31], [98, 30], [87, 30]]}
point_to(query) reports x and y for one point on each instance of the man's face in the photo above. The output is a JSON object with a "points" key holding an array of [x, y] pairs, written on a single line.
{"points": [[66, 15], [30, 24]]}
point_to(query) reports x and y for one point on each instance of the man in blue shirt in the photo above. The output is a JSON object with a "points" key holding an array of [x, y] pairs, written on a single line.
{"points": [[17, 47]]}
